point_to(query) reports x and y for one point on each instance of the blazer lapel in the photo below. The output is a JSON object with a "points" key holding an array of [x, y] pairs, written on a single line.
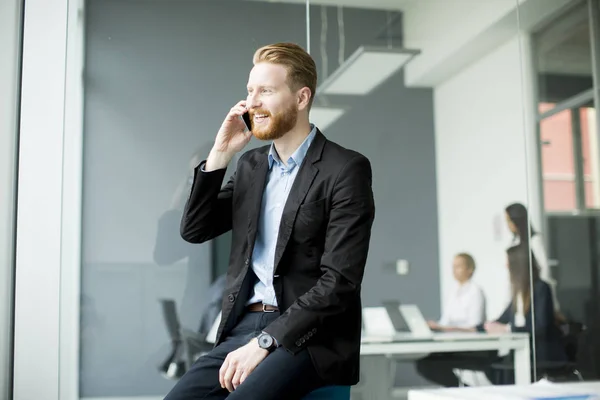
{"points": [[257, 188], [306, 175]]}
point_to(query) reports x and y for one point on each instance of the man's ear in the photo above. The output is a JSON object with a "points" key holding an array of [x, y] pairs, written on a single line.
{"points": [[304, 96]]}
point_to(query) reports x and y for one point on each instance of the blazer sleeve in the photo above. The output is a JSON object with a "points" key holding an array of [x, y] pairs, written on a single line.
{"points": [[207, 212], [505, 318], [507, 315], [543, 310], [342, 263]]}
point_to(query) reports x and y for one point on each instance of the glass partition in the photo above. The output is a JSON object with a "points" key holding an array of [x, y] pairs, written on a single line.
{"points": [[478, 119], [159, 79], [565, 50], [438, 109], [413, 86]]}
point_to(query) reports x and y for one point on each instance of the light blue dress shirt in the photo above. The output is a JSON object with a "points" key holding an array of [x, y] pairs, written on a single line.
{"points": [[279, 181]]}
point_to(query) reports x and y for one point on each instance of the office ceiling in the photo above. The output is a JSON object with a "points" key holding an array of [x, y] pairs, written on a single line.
{"points": [[371, 4]]}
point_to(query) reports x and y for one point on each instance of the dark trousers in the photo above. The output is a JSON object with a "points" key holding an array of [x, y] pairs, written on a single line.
{"points": [[279, 376], [438, 367]]}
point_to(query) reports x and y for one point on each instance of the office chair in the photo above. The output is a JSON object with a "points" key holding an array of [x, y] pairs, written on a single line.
{"points": [[554, 371], [187, 345], [173, 367]]}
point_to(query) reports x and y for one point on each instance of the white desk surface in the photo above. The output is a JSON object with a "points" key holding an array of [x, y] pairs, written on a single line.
{"points": [[511, 392], [442, 342]]}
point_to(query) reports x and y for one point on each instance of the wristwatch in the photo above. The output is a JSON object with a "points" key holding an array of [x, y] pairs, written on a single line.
{"points": [[267, 342]]}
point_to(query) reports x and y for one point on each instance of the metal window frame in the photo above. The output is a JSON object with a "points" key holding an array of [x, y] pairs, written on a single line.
{"points": [[574, 103], [39, 221], [11, 26]]}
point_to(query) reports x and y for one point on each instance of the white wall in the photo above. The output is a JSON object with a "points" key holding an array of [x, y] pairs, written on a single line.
{"points": [[481, 167], [486, 151]]}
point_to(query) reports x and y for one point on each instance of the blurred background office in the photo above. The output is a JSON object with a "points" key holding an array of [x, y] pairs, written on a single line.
{"points": [[464, 107]]}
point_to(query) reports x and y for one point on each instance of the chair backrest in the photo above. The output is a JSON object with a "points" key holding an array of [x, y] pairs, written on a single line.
{"points": [[329, 393], [171, 319], [588, 351], [211, 336]]}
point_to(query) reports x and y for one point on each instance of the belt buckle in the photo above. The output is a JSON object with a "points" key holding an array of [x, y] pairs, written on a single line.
{"points": [[264, 307]]}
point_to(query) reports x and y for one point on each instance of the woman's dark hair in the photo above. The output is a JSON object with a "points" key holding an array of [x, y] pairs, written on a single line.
{"points": [[518, 214], [520, 274]]}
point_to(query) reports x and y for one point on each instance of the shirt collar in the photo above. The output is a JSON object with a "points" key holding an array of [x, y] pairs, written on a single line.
{"points": [[465, 286], [299, 154]]}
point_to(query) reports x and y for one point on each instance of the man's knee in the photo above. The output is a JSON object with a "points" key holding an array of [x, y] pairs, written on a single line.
{"points": [[201, 381]]}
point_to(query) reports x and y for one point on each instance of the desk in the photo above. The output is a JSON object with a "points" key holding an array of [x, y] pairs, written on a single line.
{"points": [[377, 352], [512, 392]]}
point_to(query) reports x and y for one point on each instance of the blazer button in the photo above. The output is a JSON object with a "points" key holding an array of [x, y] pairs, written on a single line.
{"points": [[231, 298], [247, 262], [314, 330], [298, 343]]}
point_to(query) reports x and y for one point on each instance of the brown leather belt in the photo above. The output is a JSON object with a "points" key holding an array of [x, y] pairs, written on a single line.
{"points": [[260, 307]]}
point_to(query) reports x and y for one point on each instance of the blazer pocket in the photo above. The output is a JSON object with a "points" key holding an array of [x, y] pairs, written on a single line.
{"points": [[309, 220], [314, 208]]}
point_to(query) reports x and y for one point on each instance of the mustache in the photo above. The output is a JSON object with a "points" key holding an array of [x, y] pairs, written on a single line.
{"points": [[259, 111]]}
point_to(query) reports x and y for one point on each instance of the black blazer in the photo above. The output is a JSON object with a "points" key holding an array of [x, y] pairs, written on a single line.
{"points": [[320, 253], [548, 339]]}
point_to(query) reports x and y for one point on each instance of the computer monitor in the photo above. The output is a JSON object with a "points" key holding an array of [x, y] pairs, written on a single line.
{"points": [[407, 318], [393, 310]]}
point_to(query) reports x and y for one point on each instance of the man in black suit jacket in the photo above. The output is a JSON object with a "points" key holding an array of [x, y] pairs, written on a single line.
{"points": [[300, 211]]}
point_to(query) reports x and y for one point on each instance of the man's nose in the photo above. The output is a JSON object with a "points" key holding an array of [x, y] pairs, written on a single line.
{"points": [[252, 101]]}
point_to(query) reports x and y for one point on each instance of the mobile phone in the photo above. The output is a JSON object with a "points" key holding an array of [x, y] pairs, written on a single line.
{"points": [[246, 118]]}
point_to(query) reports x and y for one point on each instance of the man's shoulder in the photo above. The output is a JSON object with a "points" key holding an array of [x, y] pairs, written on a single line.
{"points": [[340, 155], [332, 153], [255, 155]]}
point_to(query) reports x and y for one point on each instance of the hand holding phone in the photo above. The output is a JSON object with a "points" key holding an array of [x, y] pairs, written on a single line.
{"points": [[246, 118], [231, 138]]}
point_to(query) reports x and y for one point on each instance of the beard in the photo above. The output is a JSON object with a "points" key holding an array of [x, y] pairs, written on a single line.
{"points": [[276, 126]]}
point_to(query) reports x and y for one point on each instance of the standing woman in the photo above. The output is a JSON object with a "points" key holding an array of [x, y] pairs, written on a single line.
{"points": [[517, 219]]}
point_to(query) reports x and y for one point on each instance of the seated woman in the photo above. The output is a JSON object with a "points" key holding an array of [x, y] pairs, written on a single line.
{"points": [[518, 315], [466, 306], [526, 309]]}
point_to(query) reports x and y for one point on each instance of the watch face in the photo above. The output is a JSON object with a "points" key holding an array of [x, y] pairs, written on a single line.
{"points": [[265, 341]]}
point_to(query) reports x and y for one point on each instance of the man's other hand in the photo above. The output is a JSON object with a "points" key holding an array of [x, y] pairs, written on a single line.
{"points": [[240, 363]]}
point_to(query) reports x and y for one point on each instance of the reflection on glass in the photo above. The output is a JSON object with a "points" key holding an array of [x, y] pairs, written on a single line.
{"points": [[159, 78], [563, 57], [570, 169]]}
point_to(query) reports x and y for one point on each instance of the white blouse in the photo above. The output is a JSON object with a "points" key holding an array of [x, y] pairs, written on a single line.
{"points": [[465, 308]]}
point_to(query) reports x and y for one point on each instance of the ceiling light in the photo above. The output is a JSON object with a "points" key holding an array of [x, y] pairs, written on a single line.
{"points": [[366, 69]]}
